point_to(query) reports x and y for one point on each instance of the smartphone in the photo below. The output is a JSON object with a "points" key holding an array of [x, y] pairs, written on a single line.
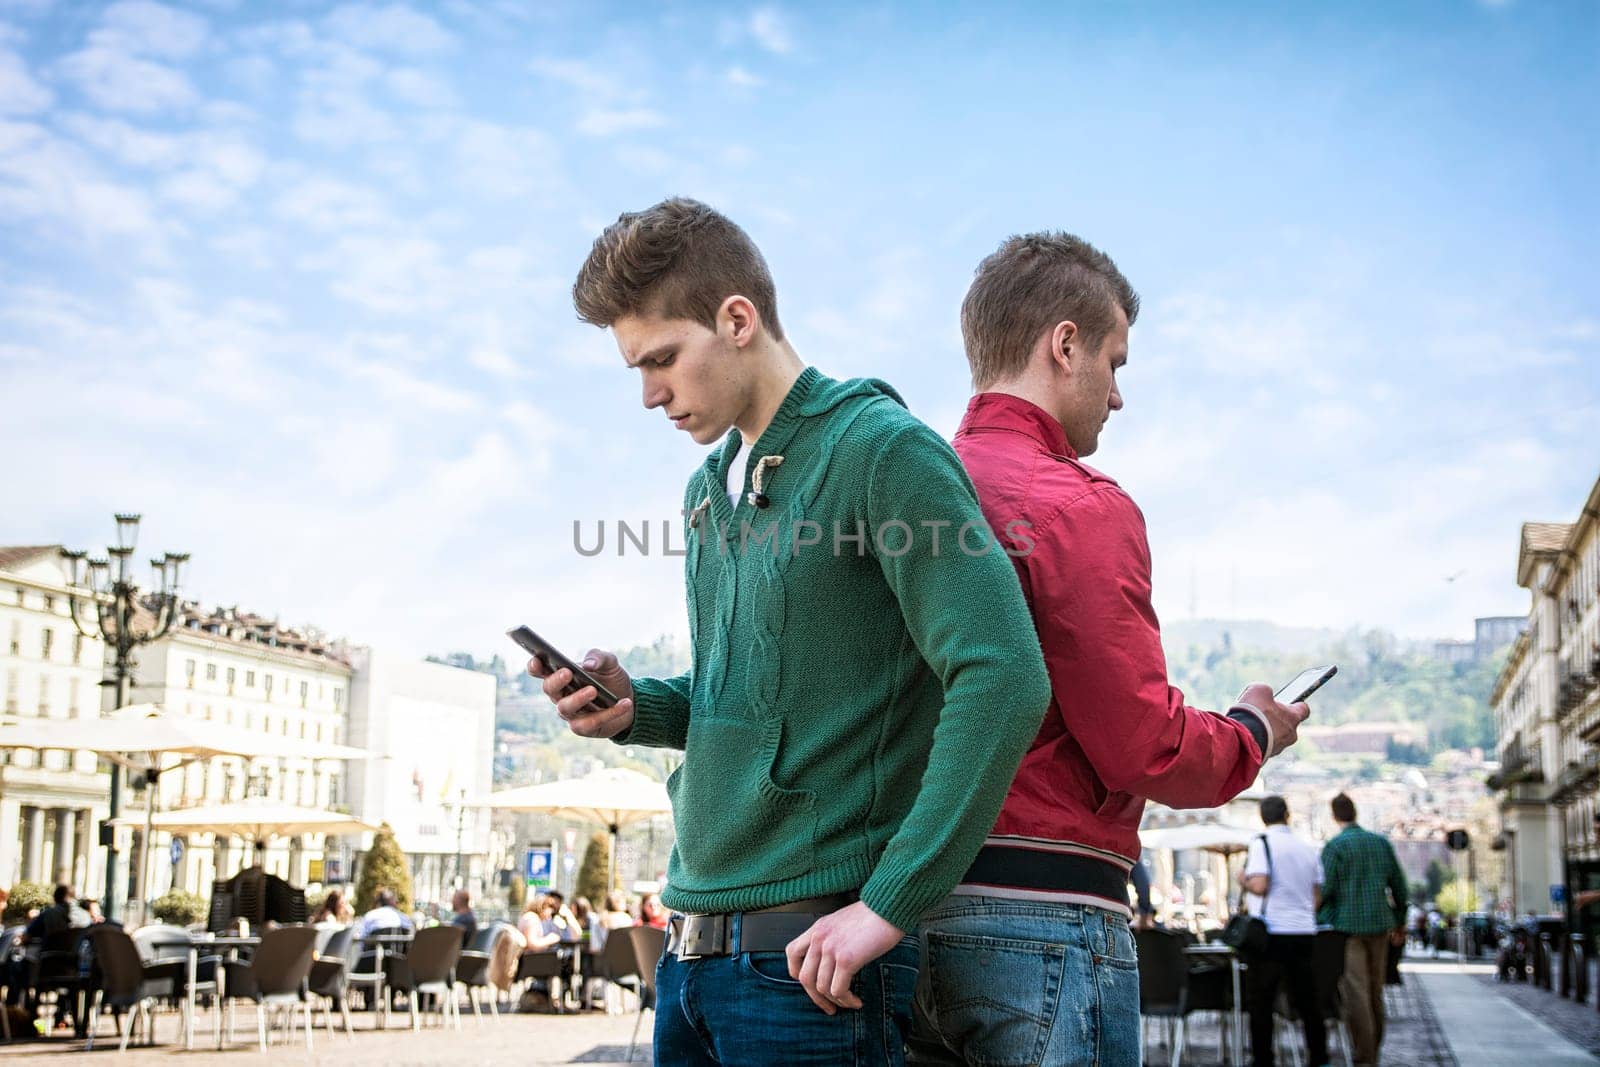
{"points": [[1304, 684], [553, 660]]}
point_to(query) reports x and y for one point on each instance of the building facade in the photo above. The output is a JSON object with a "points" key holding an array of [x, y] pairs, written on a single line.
{"points": [[1547, 718], [51, 803], [245, 671], [430, 731]]}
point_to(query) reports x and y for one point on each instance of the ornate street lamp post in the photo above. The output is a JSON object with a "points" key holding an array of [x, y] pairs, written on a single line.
{"points": [[106, 587]]}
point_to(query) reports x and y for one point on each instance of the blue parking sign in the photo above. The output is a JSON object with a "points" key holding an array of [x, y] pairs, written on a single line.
{"points": [[538, 866]]}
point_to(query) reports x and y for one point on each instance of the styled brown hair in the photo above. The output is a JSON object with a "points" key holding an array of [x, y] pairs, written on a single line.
{"points": [[1344, 809], [1027, 285], [679, 259]]}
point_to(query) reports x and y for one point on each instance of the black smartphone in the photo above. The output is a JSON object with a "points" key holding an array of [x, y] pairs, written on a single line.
{"points": [[1304, 684], [553, 661]]}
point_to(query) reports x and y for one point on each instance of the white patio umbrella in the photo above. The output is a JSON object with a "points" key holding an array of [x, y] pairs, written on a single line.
{"points": [[143, 736], [614, 797], [257, 820], [1211, 837]]}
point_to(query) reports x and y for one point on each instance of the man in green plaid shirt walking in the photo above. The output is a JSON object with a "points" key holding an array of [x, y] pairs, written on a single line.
{"points": [[1364, 898]]}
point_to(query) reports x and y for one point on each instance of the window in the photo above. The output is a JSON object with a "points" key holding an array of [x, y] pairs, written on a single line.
{"points": [[47, 638], [211, 672], [72, 696], [302, 731], [44, 694], [22, 600], [249, 679], [338, 697], [305, 687], [77, 648], [266, 682], [266, 722], [16, 638], [11, 692], [230, 679], [49, 603]]}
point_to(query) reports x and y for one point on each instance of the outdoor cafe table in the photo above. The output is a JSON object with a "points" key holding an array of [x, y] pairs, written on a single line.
{"points": [[1214, 951], [380, 999], [229, 942]]}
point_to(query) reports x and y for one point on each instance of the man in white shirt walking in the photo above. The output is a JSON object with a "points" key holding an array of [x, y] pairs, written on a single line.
{"points": [[1283, 874]]}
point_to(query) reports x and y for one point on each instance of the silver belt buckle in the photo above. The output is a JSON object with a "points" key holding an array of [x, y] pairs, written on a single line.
{"points": [[701, 935]]}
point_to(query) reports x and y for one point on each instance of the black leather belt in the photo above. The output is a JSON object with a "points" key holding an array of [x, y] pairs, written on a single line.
{"points": [[690, 937]]}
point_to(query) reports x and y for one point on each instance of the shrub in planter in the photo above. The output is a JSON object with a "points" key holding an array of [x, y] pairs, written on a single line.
{"points": [[178, 907], [26, 897]]}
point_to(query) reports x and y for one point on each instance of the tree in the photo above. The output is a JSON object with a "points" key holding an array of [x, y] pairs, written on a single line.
{"points": [[383, 865], [516, 893], [1456, 898], [1438, 877], [594, 874]]}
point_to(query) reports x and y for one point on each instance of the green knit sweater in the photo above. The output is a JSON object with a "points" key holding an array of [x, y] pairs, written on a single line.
{"points": [[860, 697]]}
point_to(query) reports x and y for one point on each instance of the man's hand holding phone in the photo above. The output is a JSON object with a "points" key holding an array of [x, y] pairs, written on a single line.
{"points": [[1282, 720], [585, 718]]}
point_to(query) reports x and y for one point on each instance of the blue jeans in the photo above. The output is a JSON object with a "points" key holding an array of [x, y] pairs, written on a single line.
{"points": [[1008, 982], [744, 1009]]}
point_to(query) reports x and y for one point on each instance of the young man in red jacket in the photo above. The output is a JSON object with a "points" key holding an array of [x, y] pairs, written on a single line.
{"points": [[1039, 924]]}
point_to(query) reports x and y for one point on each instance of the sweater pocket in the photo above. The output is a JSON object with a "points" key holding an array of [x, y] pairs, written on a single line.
{"points": [[736, 826]]}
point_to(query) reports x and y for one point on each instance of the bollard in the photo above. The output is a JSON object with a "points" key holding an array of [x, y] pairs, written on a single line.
{"points": [[1565, 989], [1541, 962]]}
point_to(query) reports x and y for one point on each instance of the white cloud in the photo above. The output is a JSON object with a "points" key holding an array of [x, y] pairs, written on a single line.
{"points": [[329, 204], [586, 78], [420, 88], [506, 162], [610, 123], [150, 29], [770, 28], [743, 79], [20, 94], [392, 28], [119, 81]]}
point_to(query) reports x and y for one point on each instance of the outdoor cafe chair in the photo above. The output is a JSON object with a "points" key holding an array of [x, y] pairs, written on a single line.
{"points": [[472, 970], [428, 969], [8, 943], [1164, 984], [56, 972], [274, 977], [330, 974], [553, 965], [126, 983], [648, 944], [163, 943]]}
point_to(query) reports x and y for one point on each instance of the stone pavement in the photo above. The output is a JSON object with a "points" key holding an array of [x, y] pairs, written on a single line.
{"points": [[1486, 1024], [522, 1040]]}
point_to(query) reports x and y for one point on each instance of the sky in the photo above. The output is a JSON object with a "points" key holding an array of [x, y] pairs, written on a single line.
{"points": [[292, 281]]}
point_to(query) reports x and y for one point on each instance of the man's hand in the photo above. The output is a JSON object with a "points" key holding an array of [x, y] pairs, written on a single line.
{"points": [[826, 957], [1397, 936], [1282, 719], [583, 718]]}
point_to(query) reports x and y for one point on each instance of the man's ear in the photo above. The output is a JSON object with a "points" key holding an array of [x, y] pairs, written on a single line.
{"points": [[1066, 345], [738, 320]]}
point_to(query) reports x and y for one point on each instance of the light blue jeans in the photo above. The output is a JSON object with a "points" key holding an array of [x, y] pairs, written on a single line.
{"points": [[1009, 982]]}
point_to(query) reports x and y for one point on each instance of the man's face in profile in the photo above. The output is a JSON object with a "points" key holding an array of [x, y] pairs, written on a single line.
{"points": [[690, 372]]}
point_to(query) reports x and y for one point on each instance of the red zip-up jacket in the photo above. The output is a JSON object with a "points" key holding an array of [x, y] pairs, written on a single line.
{"points": [[1116, 733]]}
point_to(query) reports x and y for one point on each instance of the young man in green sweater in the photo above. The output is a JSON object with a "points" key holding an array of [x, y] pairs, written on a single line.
{"points": [[865, 674]]}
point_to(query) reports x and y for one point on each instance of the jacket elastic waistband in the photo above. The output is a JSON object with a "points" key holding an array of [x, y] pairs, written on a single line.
{"points": [[1043, 873]]}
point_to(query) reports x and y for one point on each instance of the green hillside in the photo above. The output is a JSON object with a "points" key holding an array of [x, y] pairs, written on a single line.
{"points": [[1379, 679]]}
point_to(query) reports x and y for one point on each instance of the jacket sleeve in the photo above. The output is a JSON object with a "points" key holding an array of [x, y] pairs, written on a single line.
{"points": [[969, 621], [1089, 574], [660, 713]]}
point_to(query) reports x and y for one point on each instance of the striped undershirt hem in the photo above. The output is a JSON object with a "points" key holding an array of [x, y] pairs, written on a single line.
{"points": [[1057, 872]]}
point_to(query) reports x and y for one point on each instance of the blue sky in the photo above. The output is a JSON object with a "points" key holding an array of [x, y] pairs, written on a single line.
{"points": [[292, 280]]}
